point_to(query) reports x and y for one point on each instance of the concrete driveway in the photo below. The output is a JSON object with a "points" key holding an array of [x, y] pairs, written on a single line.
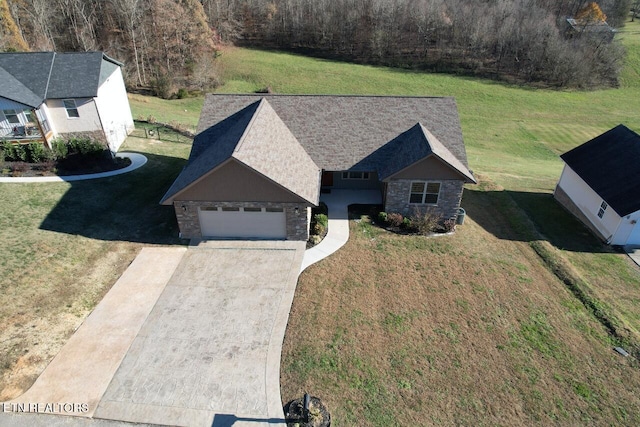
{"points": [[207, 354]]}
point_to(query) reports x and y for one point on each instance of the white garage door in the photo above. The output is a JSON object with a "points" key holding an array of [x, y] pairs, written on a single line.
{"points": [[244, 223]]}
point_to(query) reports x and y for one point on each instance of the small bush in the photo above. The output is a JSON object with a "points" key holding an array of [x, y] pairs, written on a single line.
{"points": [[37, 153], [19, 168], [406, 223], [59, 148], [449, 225], [322, 219], [319, 229], [395, 219], [382, 217], [86, 147], [425, 222], [315, 239], [20, 153], [182, 93]]}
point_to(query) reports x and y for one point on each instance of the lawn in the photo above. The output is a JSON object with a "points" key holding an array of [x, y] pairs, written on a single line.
{"points": [[392, 330], [65, 245]]}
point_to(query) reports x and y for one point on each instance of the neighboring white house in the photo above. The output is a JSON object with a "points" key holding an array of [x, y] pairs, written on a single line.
{"points": [[600, 184], [45, 95]]}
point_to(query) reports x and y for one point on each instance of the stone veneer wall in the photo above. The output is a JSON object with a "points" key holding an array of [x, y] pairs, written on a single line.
{"points": [[189, 222], [397, 198]]}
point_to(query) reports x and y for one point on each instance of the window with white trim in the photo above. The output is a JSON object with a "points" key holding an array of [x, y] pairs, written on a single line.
{"points": [[424, 193], [72, 108], [29, 115], [603, 207], [12, 116], [355, 175]]}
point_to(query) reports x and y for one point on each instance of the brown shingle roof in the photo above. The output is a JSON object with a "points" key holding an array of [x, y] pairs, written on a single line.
{"points": [[257, 137], [342, 132], [412, 146]]}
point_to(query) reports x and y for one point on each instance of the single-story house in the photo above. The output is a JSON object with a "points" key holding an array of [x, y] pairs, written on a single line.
{"points": [[260, 162], [45, 95], [600, 185]]}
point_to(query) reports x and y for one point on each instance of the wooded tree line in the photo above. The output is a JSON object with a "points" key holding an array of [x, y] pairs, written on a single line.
{"points": [[522, 39], [171, 43], [165, 44]]}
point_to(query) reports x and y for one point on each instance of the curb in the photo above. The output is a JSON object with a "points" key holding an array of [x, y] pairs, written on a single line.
{"points": [[137, 161]]}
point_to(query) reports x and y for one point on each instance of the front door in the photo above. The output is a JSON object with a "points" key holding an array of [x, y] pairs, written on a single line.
{"points": [[327, 179]]}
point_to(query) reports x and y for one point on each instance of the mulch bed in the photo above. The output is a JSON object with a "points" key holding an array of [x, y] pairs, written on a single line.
{"points": [[69, 166]]}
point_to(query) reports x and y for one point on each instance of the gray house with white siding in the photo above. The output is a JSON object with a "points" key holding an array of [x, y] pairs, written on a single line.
{"points": [[260, 162], [45, 95]]}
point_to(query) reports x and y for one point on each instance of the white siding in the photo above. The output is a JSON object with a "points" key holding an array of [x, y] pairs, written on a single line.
{"points": [[113, 108], [7, 104], [89, 120], [588, 201], [628, 232]]}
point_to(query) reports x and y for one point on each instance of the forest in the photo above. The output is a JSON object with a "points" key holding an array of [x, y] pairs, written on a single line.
{"points": [[170, 46]]}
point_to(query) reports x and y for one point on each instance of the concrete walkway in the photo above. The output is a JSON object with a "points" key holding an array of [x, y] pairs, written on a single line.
{"points": [[338, 202], [137, 161]]}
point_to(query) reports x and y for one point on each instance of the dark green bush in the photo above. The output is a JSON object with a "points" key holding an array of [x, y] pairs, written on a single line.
{"points": [[322, 219], [59, 148], [37, 152], [86, 147], [382, 217]]}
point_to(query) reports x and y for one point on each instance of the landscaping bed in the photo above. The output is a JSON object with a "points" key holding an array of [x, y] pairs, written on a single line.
{"points": [[76, 156]]}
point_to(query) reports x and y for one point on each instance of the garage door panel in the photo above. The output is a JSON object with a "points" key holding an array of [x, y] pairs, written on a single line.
{"points": [[243, 224]]}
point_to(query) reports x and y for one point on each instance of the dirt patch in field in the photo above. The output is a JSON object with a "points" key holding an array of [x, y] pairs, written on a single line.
{"points": [[467, 329]]}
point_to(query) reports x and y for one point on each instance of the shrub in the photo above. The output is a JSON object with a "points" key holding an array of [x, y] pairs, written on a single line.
{"points": [[18, 168], [319, 229], [406, 223], [425, 222], [382, 217], [395, 219], [86, 147], [37, 153], [322, 219], [20, 152], [60, 149], [449, 225], [182, 93]]}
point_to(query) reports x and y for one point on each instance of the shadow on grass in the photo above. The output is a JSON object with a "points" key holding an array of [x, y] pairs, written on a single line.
{"points": [[526, 216], [124, 207]]}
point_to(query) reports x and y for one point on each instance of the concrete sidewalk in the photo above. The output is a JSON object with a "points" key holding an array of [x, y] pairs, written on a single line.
{"points": [[137, 161], [338, 202]]}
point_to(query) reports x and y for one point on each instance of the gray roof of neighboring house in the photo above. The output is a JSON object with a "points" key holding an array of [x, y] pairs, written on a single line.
{"points": [[36, 76], [256, 137], [609, 164], [344, 132]]}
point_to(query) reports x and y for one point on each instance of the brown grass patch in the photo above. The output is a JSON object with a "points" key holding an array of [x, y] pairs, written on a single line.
{"points": [[465, 329]]}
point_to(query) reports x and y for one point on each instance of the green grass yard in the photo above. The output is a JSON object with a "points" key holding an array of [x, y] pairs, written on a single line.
{"points": [[392, 330]]}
